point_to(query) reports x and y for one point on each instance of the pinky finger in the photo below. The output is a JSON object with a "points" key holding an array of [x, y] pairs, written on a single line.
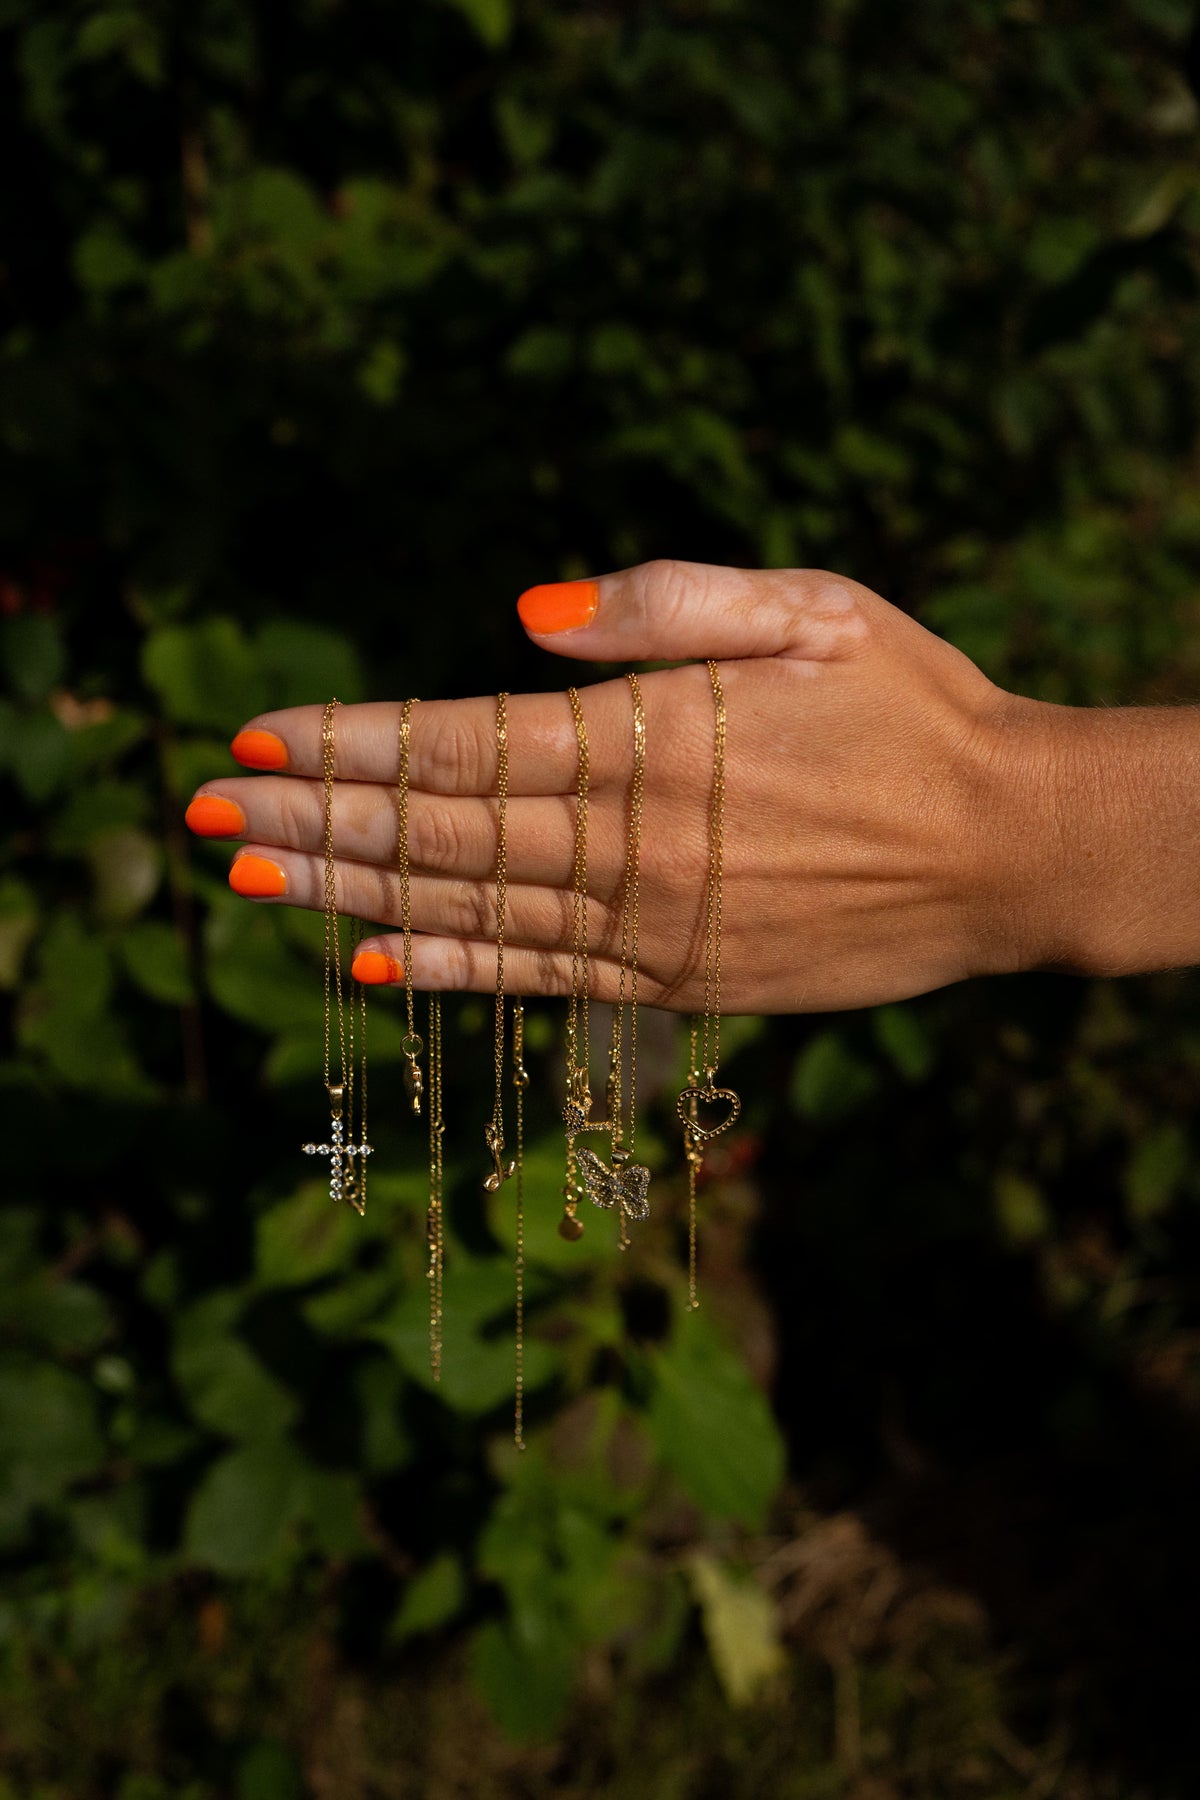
{"points": [[444, 965]]}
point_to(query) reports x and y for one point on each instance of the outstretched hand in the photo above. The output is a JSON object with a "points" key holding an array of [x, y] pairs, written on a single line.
{"points": [[873, 813]]}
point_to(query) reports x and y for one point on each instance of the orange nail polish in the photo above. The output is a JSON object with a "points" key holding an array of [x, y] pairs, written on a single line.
{"points": [[558, 606], [209, 815], [372, 967], [256, 878], [260, 750]]}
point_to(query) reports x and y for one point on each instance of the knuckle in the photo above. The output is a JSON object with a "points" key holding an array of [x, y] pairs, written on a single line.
{"points": [[549, 973], [436, 838], [665, 588], [455, 757], [296, 816], [471, 909]]}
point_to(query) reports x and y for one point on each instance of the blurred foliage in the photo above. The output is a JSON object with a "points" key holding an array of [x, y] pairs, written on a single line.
{"points": [[323, 331]]}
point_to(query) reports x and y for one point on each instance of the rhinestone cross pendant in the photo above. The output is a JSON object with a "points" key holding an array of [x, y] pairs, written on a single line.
{"points": [[343, 1183]]}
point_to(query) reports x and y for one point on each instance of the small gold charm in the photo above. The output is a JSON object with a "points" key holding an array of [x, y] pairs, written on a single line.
{"points": [[501, 1171], [624, 1186], [693, 1098], [414, 1080]]}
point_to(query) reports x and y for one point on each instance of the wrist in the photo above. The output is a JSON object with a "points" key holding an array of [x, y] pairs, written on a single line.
{"points": [[1101, 837]]}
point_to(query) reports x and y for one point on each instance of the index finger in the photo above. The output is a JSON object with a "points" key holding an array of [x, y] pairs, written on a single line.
{"points": [[452, 743]]}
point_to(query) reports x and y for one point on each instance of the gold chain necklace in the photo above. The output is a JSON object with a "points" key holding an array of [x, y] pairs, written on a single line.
{"points": [[625, 1184], [347, 1139], [577, 1105], [411, 1048], [493, 1131], [705, 1035]]}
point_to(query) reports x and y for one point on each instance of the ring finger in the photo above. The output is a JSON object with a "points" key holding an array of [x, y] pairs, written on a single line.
{"points": [[538, 916]]}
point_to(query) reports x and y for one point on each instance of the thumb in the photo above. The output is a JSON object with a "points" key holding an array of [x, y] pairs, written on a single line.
{"points": [[681, 610]]}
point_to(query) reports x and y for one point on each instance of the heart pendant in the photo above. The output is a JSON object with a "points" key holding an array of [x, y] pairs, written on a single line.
{"points": [[693, 1098]]}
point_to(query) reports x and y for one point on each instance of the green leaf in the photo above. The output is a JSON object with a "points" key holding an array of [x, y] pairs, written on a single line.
{"points": [[713, 1426], [386, 1445], [243, 1516], [206, 674], [33, 655], [492, 19], [741, 1624], [63, 1014], [269, 1771], [40, 755], [527, 1686], [1020, 1209], [304, 664], [829, 1082], [255, 978], [104, 259], [434, 1596], [902, 1036], [225, 1385], [49, 1432], [305, 1237], [1157, 1170], [18, 924], [127, 866], [478, 1371], [66, 1317], [154, 958]]}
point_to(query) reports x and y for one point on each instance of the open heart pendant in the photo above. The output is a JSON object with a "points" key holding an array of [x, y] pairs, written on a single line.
{"points": [[715, 1098]]}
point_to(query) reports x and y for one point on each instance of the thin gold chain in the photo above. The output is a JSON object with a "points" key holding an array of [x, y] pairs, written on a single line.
{"points": [[501, 899], [494, 1130], [412, 1044], [520, 1082], [333, 951], [435, 1224], [711, 1032], [348, 1139], [578, 1048], [624, 1134], [578, 1017], [704, 1038], [627, 979]]}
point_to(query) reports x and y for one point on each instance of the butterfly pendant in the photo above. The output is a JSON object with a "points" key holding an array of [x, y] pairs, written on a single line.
{"points": [[624, 1186]]}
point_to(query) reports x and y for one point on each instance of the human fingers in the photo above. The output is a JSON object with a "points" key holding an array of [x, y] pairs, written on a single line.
{"points": [[534, 915], [446, 836], [681, 609], [452, 743], [449, 964]]}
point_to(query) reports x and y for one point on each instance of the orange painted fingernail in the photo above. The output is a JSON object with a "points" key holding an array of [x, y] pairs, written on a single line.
{"points": [[256, 878], [558, 606], [372, 967], [209, 815], [260, 750]]}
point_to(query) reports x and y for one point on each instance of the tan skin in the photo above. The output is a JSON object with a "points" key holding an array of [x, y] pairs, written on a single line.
{"points": [[894, 821]]}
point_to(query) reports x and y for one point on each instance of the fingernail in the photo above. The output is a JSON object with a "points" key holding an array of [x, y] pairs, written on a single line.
{"points": [[260, 750], [257, 878], [209, 815], [372, 967], [558, 606]]}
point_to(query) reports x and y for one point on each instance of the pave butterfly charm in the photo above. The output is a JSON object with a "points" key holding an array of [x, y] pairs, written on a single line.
{"points": [[622, 1187]]}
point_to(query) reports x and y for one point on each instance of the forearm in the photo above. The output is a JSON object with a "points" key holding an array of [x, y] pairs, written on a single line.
{"points": [[1108, 852]]}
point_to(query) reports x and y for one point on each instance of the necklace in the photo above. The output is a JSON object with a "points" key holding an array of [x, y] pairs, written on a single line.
{"points": [[347, 1181], [623, 1186], [493, 1131], [702, 1090]]}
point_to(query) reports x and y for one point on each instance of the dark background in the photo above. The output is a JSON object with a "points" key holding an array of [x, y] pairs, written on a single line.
{"points": [[323, 332]]}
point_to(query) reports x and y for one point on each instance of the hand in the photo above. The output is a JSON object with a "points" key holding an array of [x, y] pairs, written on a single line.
{"points": [[876, 841]]}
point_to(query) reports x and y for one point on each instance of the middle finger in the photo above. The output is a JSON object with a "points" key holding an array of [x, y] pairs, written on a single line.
{"points": [[447, 836]]}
